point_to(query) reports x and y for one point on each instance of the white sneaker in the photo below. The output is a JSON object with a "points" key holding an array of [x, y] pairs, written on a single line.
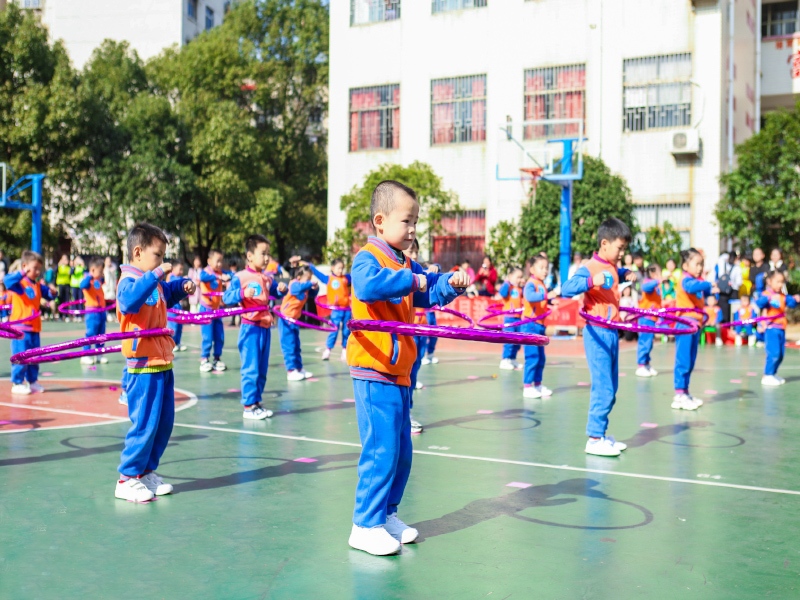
{"points": [[36, 388], [545, 391], [219, 366], [416, 426], [759, 344], [618, 445], [399, 530], [375, 540], [653, 372], [87, 360], [307, 374], [344, 354], [133, 490], [258, 413], [738, 341], [426, 361], [718, 341], [21, 389], [102, 360], [155, 484], [751, 340], [531, 392], [770, 380], [326, 354], [295, 375], [206, 366], [779, 378], [517, 366], [601, 447], [123, 398], [506, 364], [697, 401], [419, 385], [683, 402], [434, 360], [182, 348], [643, 371]]}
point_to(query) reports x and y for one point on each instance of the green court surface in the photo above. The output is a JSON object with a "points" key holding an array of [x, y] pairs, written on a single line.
{"points": [[703, 504]]}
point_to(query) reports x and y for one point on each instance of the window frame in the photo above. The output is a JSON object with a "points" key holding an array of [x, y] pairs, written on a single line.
{"points": [[534, 132], [442, 11], [767, 22], [191, 10], [210, 14], [390, 112], [647, 112], [459, 102], [395, 10]]}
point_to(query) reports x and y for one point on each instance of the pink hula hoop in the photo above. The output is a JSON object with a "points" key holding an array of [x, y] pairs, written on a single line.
{"points": [[330, 306], [497, 307], [5, 307], [9, 332], [85, 311], [329, 327], [449, 311], [204, 318], [213, 293], [45, 354], [693, 326], [513, 311], [751, 321], [453, 333]]}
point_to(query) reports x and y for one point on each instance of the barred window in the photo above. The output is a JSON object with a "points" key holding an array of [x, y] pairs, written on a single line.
{"points": [[375, 117], [458, 110], [462, 237], [554, 93], [657, 92], [440, 6], [778, 19], [373, 11], [209, 18], [656, 215]]}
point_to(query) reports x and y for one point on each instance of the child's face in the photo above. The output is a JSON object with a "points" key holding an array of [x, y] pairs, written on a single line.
{"points": [[258, 259], [215, 261], [515, 278], [304, 277], [628, 259], [711, 301], [150, 257], [399, 227], [338, 269], [96, 272], [670, 265], [412, 254], [33, 270], [433, 269], [775, 255], [197, 262], [177, 270], [745, 301], [612, 251], [694, 266], [776, 282], [539, 269], [638, 261]]}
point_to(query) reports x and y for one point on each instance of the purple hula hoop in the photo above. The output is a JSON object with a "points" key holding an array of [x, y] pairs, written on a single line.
{"points": [[85, 311], [204, 318], [5, 307], [751, 321], [329, 327], [453, 333], [35, 356], [8, 331], [512, 311], [450, 311], [213, 293], [496, 307], [330, 306], [693, 327]]}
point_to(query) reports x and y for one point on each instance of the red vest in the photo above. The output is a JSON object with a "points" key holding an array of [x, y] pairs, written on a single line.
{"points": [[780, 300], [598, 301], [261, 283], [212, 302], [514, 299], [93, 295], [651, 299], [292, 306], [25, 304]]}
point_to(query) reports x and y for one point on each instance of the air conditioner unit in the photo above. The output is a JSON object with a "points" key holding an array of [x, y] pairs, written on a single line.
{"points": [[686, 141]]}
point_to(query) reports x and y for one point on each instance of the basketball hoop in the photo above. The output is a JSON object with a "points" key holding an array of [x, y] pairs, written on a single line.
{"points": [[533, 175]]}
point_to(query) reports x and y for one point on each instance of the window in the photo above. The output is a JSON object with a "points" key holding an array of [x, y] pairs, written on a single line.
{"points": [[32, 4], [656, 215], [191, 9], [657, 92], [209, 18], [463, 238], [554, 93], [373, 11], [440, 6], [778, 19], [375, 117], [458, 110], [226, 8]]}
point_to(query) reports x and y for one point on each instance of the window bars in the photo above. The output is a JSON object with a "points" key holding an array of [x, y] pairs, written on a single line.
{"points": [[554, 93], [458, 110], [657, 92], [375, 117]]}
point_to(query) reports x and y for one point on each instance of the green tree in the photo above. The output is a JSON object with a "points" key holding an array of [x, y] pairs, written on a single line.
{"points": [[503, 246], [661, 244], [596, 197], [761, 205]]}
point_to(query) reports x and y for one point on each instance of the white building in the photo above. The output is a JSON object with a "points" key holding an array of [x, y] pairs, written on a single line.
{"points": [[148, 26], [435, 80]]}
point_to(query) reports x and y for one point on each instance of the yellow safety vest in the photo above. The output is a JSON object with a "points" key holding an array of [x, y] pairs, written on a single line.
{"points": [[62, 278], [77, 277]]}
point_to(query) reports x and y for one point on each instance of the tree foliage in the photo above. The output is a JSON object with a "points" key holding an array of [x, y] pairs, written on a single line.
{"points": [[661, 243], [503, 246]]}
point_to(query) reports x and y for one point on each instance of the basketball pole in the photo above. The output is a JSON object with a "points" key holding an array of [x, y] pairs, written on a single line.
{"points": [[35, 182], [565, 243]]}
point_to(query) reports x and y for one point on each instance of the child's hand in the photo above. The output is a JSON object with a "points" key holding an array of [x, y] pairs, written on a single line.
{"points": [[552, 294], [249, 292], [630, 276], [423, 283], [189, 287], [599, 279], [459, 279], [714, 289], [315, 286], [282, 288], [166, 268], [225, 277], [796, 297]]}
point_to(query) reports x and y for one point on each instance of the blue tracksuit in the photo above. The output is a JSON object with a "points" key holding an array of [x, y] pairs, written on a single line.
{"points": [[430, 345], [21, 373], [645, 344], [290, 333], [339, 318], [213, 333], [534, 355], [383, 408], [95, 322], [602, 353], [686, 345], [774, 337], [421, 343], [745, 330], [509, 350]]}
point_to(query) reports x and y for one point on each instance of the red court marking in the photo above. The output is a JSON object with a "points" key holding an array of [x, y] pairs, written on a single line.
{"points": [[305, 460], [751, 374], [472, 377], [582, 383], [46, 374], [313, 379], [348, 400], [234, 390], [31, 412], [623, 374]]}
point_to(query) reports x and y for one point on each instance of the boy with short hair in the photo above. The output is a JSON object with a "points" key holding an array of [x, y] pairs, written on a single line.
{"points": [[252, 287], [534, 304], [511, 293], [211, 280], [599, 281], [26, 291], [142, 301], [745, 312], [94, 297], [387, 286]]}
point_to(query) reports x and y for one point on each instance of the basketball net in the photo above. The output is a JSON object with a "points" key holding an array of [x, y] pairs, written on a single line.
{"points": [[532, 175]]}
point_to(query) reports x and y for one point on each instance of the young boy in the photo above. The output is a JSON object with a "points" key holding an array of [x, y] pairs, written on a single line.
{"points": [[26, 292], [650, 300], [292, 307], [142, 301], [775, 303], [177, 274], [93, 296], [386, 287], [714, 313], [599, 280], [534, 303], [745, 312], [252, 287], [511, 292], [211, 279], [338, 294]]}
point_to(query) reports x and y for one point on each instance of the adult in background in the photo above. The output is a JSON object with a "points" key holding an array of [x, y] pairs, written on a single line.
{"points": [[758, 272], [194, 275], [63, 273], [577, 262], [728, 278], [486, 279]]}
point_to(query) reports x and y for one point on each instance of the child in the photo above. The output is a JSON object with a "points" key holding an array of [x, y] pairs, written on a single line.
{"points": [[386, 287], [211, 279], [252, 287], [745, 312], [511, 293], [690, 292], [430, 318], [775, 303], [292, 306], [534, 303], [92, 287], [714, 313], [651, 300], [338, 290], [598, 280], [5, 299], [26, 293], [142, 301], [177, 274]]}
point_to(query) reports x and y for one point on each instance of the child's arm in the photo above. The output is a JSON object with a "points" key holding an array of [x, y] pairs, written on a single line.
{"points": [[234, 294], [580, 283], [207, 277], [12, 282], [696, 286], [47, 294], [86, 281], [439, 292], [174, 291], [791, 301], [504, 290], [649, 285], [276, 290], [318, 274], [762, 301], [298, 290], [132, 293], [532, 294], [371, 283], [349, 279]]}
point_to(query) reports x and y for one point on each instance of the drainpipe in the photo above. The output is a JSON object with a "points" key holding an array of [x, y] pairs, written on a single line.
{"points": [[730, 83], [758, 67]]}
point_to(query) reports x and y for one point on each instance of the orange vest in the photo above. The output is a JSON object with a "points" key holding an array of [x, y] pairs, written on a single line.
{"points": [[144, 353], [778, 299], [745, 313], [713, 314], [212, 302], [598, 301], [652, 299], [514, 299], [338, 291], [292, 306], [261, 283], [93, 295], [420, 318], [390, 354], [686, 300], [25, 304], [272, 268], [531, 309]]}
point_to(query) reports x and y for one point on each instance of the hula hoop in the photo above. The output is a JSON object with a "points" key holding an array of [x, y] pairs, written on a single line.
{"points": [[449, 311], [453, 333], [328, 306], [45, 354], [9, 332], [204, 318], [497, 307], [753, 320], [329, 327], [512, 311], [643, 312], [5, 307], [213, 293], [85, 311]]}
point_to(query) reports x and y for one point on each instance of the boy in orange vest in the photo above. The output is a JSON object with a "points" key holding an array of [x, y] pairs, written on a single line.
{"points": [[511, 293], [26, 291], [252, 287], [211, 280], [142, 301], [534, 303], [338, 294], [774, 300], [598, 280], [292, 307], [651, 300], [387, 285], [94, 297]]}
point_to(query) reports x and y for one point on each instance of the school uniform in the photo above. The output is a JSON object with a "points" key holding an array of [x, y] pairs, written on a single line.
{"points": [[26, 297], [176, 327], [94, 297], [745, 314], [214, 333], [534, 304], [775, 335], [512, 298], [338, 294], [689, 293], [651, 300], [292, 306], [421, 342]]}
